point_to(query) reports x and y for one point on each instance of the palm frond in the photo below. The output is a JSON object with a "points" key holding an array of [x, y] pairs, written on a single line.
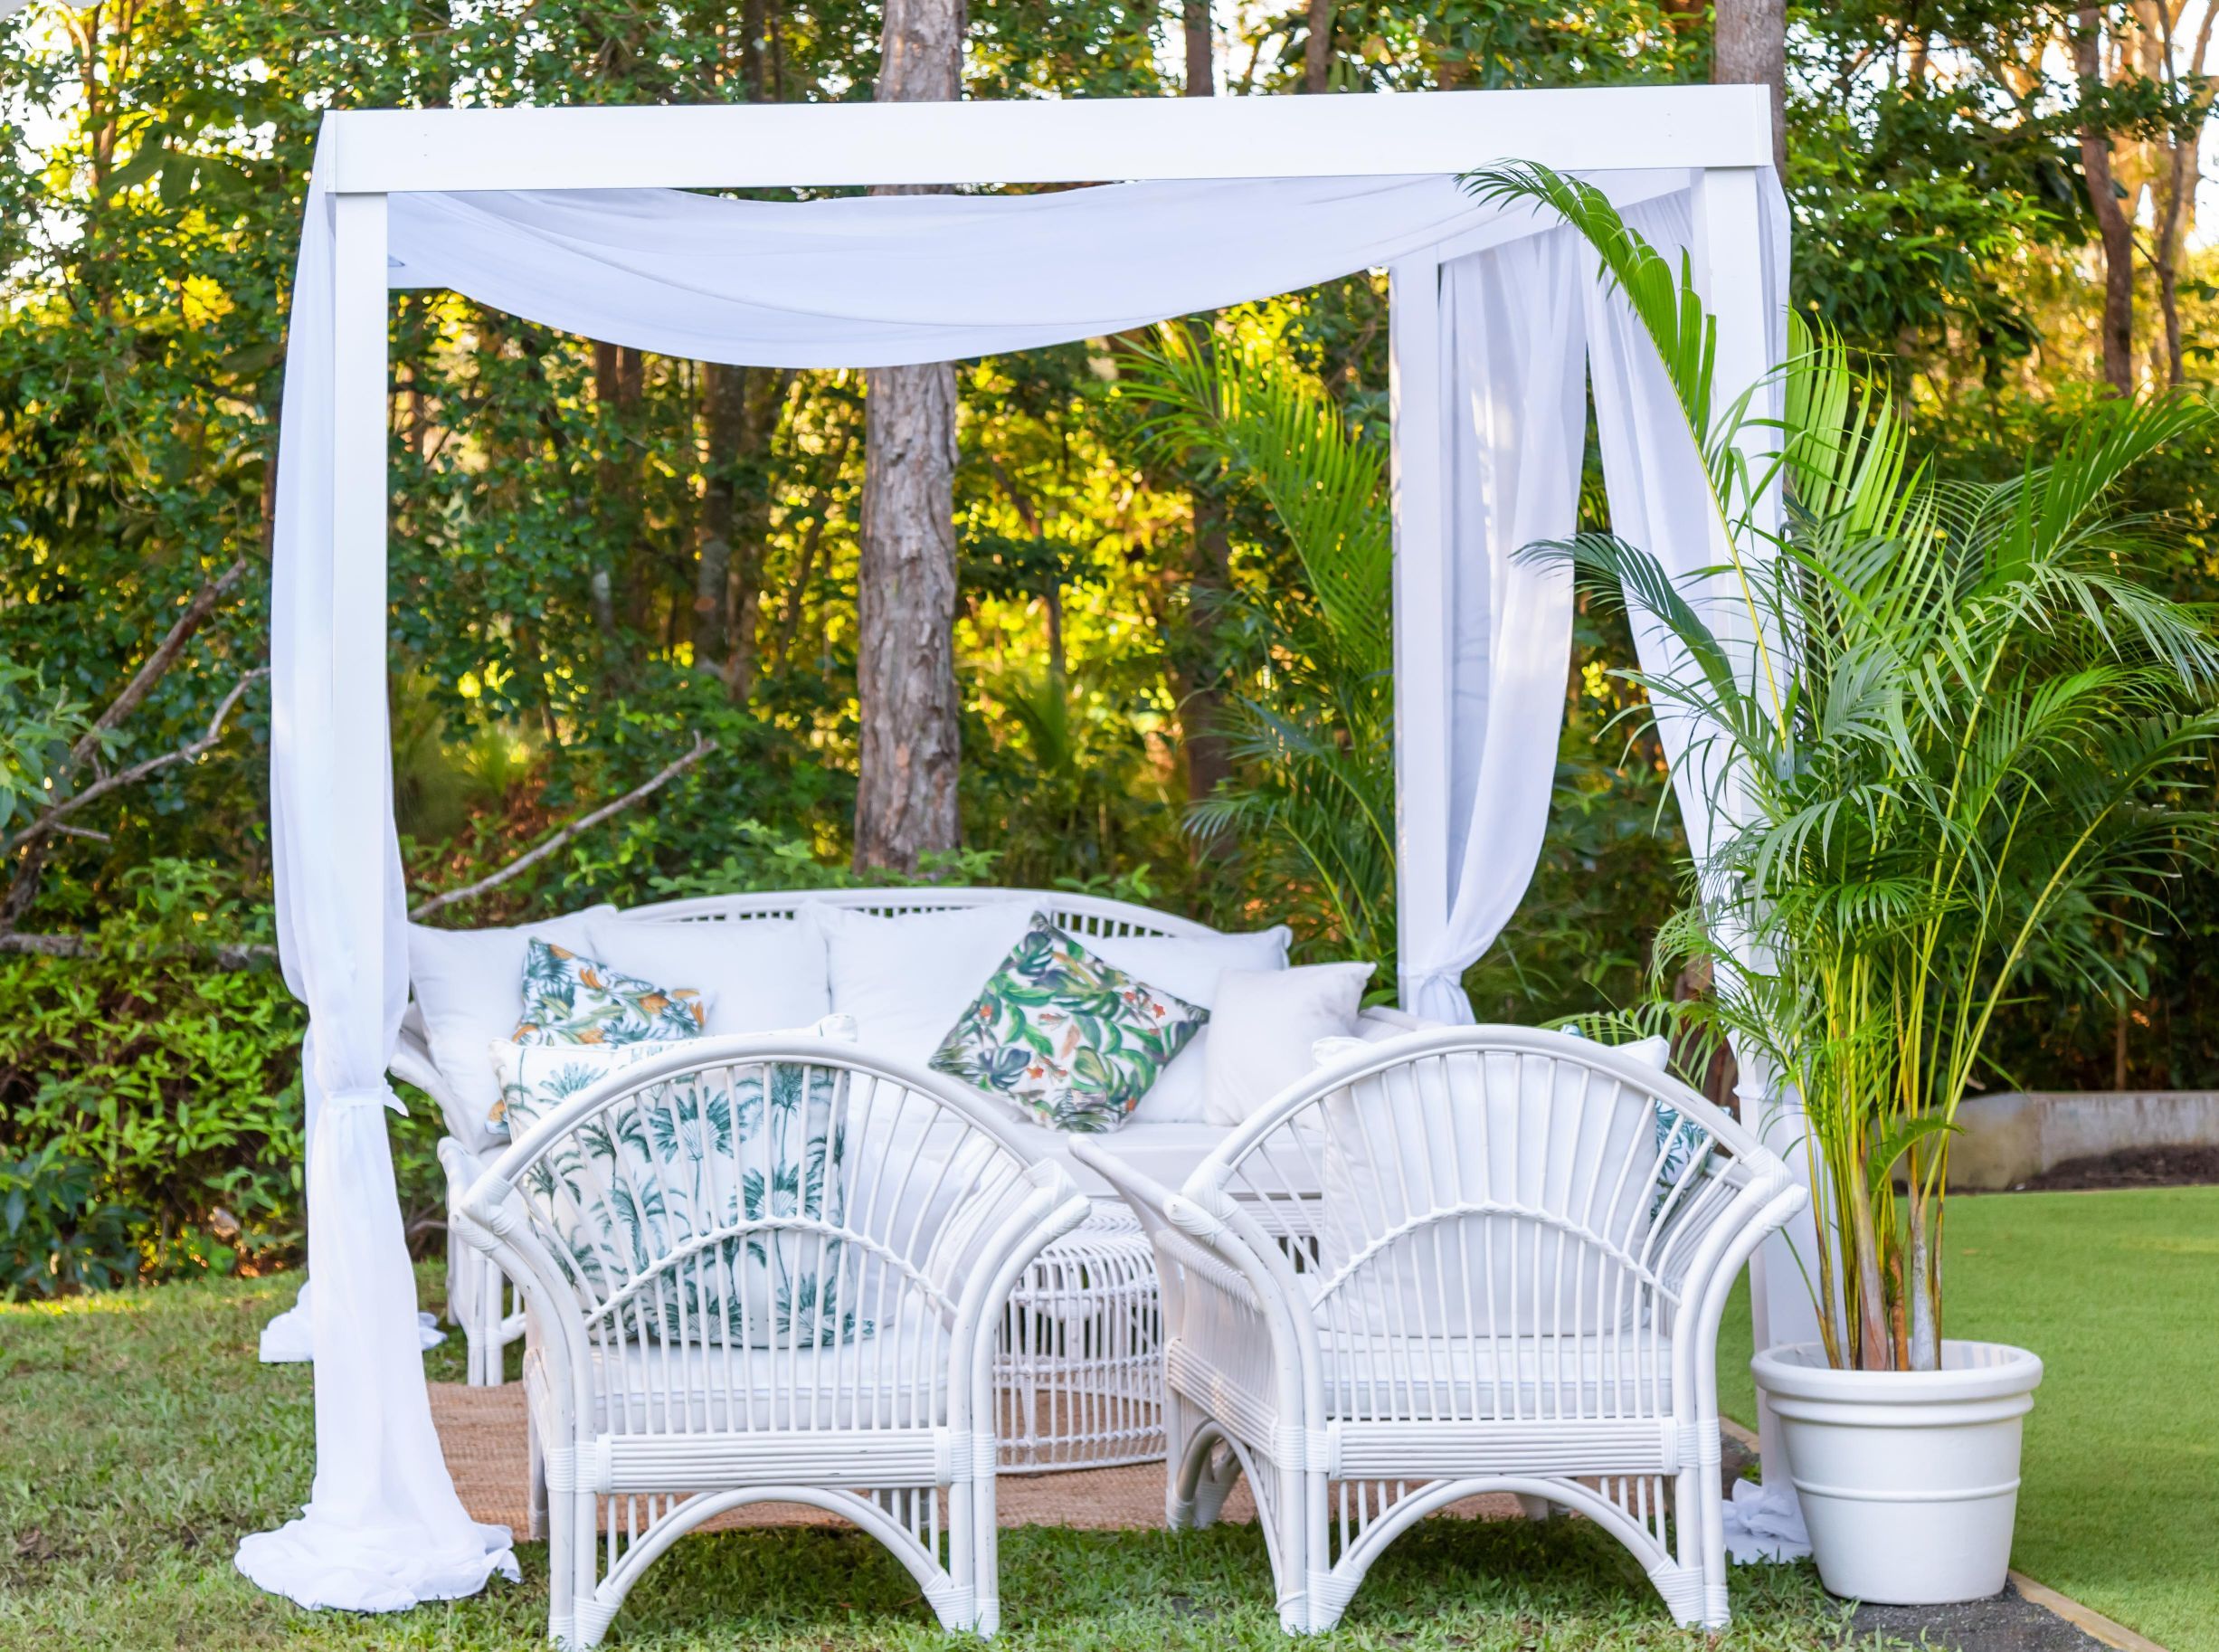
{"points": [[1664, 300], [1275, 428]]}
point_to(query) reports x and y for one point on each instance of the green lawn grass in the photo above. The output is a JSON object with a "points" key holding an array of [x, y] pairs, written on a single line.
{"points": [[2118, 1293], [139, 1441]]}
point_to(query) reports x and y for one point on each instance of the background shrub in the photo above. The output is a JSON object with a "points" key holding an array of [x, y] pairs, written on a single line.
{"points": [[150, 1089]]}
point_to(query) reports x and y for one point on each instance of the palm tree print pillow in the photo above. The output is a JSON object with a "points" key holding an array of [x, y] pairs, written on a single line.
{"points": [[537, 1079], [571, 1000], [1075, 1040], [683, 1159]]}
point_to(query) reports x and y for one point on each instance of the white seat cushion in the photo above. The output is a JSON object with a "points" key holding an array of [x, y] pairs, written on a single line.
{"points": [[1165, 1152], [898, 1377], [1390, 1378], [1445, 1380]]}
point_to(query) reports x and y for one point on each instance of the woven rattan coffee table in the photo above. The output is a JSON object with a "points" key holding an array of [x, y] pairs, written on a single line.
{"points": [[1079, 1377]]}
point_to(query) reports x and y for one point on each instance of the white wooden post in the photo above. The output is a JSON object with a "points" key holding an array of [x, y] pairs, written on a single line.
{"points": [[1730, 268], [1421, 612], [359, 414]]}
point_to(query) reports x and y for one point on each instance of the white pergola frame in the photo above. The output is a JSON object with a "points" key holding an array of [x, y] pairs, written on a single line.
{"points": [[1721, 134]]}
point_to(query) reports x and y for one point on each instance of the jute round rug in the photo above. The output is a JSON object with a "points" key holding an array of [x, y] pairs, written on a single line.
{"points": [[483, 1433]]}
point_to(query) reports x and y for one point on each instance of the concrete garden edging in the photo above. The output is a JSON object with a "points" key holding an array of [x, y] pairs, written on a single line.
{"points": [[2012, 1137]]}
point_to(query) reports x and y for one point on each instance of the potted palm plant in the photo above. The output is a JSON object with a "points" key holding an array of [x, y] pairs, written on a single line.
{"points": [[1951, 726]]}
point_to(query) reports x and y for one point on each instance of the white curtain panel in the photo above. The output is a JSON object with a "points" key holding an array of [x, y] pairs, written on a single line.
{"points": [[383, 1528], [1659, 498], [1514, 334], [854, 282]]}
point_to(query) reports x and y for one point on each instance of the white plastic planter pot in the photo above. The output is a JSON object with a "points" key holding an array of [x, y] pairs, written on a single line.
{"points": [[1909, 1479]]}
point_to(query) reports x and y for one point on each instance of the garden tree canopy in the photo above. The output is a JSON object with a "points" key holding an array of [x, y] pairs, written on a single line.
{"points": [[575, 219]]}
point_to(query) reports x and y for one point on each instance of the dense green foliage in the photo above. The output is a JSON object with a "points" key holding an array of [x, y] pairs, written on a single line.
{"points": [[599, 556], [176, 1080]]}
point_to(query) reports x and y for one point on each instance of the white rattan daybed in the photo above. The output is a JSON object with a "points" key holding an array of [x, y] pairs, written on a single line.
{"points": [[1078, 1379]]}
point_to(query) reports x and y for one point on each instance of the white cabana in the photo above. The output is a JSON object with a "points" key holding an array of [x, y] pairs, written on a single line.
{"points": [[575, 219]]}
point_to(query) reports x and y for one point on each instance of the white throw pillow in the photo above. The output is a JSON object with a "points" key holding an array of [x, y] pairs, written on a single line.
{"points": [[757, 974], [468, 986], [1187, 967], [906, 978], [1654, 1053], [1372, 1026], [1450, 1129], [1263, 1026]]}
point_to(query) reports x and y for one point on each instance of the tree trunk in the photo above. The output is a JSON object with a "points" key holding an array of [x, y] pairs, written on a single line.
{"points": [[723, 393], [1317, 49], [1201, 50], [759, 411], [906, 799], [905, 802], [1196, 675], [2112, 221], [1722, 1073], [1748, 47], [618, 376], [2175, 201], [754, 29]]}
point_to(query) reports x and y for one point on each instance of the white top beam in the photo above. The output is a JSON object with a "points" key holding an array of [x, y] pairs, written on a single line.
{"points": [[1045, 141]]}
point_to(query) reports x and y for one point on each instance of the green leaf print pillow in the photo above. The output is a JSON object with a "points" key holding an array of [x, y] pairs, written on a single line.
{"points": [[1075, 1040], [571, 1000]]}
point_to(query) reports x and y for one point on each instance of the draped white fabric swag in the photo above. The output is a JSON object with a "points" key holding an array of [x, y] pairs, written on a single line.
{"points": [[867, 282]]}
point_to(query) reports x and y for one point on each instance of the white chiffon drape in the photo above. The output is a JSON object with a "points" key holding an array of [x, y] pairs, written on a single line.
{"points": [[1514, 340], [383, 1528], [858, 282]]}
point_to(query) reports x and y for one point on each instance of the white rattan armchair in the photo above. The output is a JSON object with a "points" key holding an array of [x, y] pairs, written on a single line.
{"points": [[1511, 1280], [762, 1270]]}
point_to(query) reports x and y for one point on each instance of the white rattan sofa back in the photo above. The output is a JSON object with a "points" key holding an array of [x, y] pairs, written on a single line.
{"points": [[1080, 915]]}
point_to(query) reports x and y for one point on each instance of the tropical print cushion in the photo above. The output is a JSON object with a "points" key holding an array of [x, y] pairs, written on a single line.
{"points": [[574, 1000], [682, 1159], [1057, 1030], [537, 1079], [1677, 1139]]}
